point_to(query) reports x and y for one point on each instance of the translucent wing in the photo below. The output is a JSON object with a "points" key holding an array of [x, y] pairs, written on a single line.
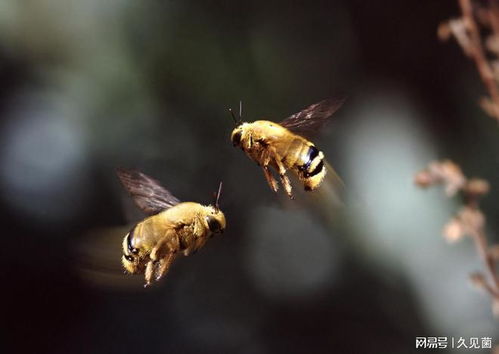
{"points": [[147, 193], [312, 119]]}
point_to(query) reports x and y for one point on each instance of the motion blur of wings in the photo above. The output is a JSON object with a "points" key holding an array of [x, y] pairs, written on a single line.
{"points": [[99, 252], [309, 122], [97, 256]]}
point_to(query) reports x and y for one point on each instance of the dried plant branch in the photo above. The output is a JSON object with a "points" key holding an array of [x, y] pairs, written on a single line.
{"points": [[469, 221], [467, 32]]}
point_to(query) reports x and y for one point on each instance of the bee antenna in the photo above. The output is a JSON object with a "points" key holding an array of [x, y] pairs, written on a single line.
{"points": [[217, 196], [233, 116], [240, 120]]}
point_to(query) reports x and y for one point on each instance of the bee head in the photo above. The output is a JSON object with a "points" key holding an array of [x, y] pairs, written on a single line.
{"points": [[215, 218], [236, 135], [131, 259]]}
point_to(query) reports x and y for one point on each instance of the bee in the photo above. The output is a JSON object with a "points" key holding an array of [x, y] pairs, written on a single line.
{"points": [[173, 227], [282, 146]]}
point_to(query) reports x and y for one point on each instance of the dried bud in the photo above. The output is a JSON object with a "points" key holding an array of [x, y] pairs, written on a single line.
{"points": [[478, 280], [450, 173], [423, 179], [477, 187], [444, 31], [446, 172], [453, 231], [458, 29]]}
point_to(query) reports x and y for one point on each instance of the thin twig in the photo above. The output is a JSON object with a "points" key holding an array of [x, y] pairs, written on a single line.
{"points": [[478, 54], [481, 245], [467, 32], [469, 221]]}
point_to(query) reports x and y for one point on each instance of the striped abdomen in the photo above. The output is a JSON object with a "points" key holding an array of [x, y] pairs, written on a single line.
{"points": [[312, 169]]}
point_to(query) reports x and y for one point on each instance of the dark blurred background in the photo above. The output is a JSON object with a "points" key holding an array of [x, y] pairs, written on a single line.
{"points": [[86, 86]]}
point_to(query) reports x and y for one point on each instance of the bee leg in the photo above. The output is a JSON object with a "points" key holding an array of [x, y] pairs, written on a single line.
{"points": [[170, 243], [164, 265], [287, 185], [161, 258], [159, 251], [266, 171], [282, 174], [270, 179], [149, 273]]}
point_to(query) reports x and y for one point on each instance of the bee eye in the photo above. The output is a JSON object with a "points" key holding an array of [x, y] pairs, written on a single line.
{"points": [[131, 249], [213, 224], [236, 138], [129, 258]]}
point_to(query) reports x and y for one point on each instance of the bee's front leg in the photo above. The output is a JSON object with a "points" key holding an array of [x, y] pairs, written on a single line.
{"points": [[197, 235]]}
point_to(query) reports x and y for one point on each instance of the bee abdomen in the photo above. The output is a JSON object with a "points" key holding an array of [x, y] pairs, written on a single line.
{"points": [[313, 169], [312, 153], [129, 237], [313, 163]]}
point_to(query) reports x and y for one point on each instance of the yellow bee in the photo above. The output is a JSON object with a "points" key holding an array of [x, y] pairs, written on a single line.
{"points": [[282, 146], [152, 245]]}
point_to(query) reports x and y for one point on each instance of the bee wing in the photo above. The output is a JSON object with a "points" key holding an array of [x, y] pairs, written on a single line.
{"points": [[97, 255], [149, 195], [314, 117], [334, 188]]}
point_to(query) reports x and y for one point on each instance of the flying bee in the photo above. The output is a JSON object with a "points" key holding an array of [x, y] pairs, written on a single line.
{"points": [[282, 146], [173, 227]]}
